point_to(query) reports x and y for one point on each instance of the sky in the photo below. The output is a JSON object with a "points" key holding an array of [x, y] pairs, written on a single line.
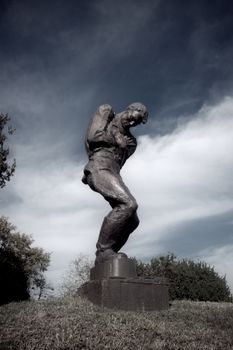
{"points": [[60, 60]]}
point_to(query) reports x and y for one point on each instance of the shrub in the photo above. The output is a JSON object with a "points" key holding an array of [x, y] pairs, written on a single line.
{"points": [[77, 274], [187, 279], [21, 265]]}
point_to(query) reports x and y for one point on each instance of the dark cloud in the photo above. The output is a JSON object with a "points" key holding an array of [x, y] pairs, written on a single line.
{"points": [[190, 238], [171, 55]]}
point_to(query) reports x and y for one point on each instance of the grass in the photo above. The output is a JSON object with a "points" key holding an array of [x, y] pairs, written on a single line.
{"points": [[73, 324]]}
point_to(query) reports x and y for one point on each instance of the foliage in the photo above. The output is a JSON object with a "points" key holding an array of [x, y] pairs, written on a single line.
{"points": [[13, 280], [41, 289], [187, 279], [21, 265], [78, 273], [74, 323], [6, 170]]}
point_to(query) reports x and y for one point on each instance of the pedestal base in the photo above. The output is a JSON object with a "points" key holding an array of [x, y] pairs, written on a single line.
{"points": [[114, 284], [127, 294]]}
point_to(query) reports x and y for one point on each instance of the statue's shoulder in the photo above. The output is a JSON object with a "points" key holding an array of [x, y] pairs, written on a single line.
{"points": [[103, 115], [99, 122], [116, 121]]}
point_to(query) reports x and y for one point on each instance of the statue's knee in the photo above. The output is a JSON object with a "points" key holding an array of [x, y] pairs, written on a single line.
{"points": [[132, 207], [136, 221]]}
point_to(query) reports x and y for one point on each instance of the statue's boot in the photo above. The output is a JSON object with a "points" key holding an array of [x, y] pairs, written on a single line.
{"points": [[113, 235], [107, 255]]}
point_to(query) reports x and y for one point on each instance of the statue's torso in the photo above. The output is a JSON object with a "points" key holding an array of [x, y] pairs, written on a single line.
{"points": [[103, 150]]}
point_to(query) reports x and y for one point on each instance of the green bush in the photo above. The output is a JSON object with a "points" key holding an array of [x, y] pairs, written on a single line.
{"points": [[187, 279]]}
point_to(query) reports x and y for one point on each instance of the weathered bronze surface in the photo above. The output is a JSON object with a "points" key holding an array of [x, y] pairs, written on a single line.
{"points": [[109, 143]]}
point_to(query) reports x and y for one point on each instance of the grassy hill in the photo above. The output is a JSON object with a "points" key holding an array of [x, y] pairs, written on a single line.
{"points": [[66, 324]]}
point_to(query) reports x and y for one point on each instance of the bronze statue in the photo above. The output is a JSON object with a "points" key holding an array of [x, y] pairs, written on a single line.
{"points": [[109, 144]]}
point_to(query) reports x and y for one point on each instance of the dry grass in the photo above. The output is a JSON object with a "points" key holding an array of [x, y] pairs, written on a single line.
{"points": [[66, 324]]}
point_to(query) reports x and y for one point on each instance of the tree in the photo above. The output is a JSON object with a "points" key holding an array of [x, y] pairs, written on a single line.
{"points": [[21, 265], [42, 289], [187, 279], [6, 170], [78, 273]]}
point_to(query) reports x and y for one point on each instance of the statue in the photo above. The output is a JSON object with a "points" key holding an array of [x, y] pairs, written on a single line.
{"points": [[109, 144]]}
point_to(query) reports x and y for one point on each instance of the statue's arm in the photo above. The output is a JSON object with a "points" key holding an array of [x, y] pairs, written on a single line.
{"points": [[124, 139], [96, 132], [118, 137]]}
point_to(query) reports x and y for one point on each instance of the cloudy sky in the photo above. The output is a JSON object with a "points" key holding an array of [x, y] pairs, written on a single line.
{"points": [[59, 60]]}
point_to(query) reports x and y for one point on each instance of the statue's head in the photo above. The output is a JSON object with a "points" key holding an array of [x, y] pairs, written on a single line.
{"points": [[136, 113]]}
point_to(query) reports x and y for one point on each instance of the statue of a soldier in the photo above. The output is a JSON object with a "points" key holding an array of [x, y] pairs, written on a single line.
{"points": [[109, 144]]}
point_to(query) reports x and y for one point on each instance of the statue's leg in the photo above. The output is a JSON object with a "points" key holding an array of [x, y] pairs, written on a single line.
{"points": [[122, 219], [131, 225]]}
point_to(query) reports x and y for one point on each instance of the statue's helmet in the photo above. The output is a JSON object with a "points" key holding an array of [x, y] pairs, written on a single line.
{"points": [[139, 111]]}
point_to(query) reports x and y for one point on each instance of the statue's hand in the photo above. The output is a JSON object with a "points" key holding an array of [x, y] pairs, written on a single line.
{"points": [[130, 141], [120, 140]]}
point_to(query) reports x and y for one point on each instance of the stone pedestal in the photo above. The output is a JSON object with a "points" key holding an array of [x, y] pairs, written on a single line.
{"points": [[114, 284], [121, 267]]}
